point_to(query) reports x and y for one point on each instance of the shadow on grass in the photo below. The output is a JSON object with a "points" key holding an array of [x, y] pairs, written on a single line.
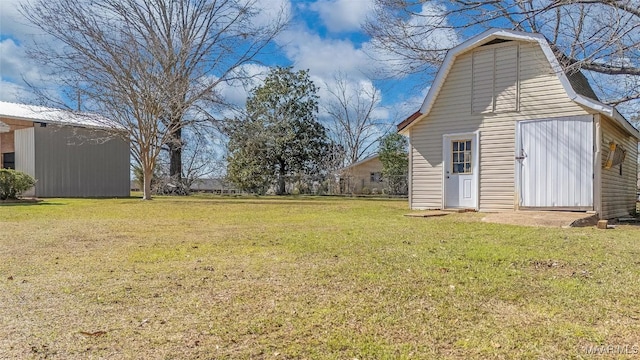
{"points": [[628, 222], [278, 200], [29, 203]]}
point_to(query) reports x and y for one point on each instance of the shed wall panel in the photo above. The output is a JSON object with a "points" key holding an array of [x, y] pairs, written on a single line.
{"points": [[25, 154], [618, 190], [79, 162]]}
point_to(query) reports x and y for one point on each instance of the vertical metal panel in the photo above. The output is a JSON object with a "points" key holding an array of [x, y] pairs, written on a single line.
{"points": [[557, 168], [25, 154], [79, 162]]}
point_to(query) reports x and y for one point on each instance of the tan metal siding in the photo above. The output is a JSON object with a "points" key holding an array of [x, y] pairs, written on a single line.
{"points": [[25, 154], [79, 162], [618, 191], [541, 96]]}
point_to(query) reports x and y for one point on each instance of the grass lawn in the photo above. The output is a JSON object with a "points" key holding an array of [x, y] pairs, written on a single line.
{"points": [[276, 278]]}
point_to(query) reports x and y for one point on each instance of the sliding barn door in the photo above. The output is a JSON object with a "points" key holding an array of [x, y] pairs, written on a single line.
{"points": [[555, 159]]}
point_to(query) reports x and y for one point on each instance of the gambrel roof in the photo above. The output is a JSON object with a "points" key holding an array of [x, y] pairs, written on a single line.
{"points": [[575, 85]]}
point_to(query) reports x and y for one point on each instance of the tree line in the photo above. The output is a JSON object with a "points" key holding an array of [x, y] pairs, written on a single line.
{"points": [[156, 69]]}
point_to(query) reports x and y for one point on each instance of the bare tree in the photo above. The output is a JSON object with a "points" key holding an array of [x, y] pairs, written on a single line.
{"points": [[202, 159], [147, 64], [600, 36], [352, 123]]}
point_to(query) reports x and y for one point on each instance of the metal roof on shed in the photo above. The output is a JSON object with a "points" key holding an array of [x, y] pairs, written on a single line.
{"points": [[54, 116]]}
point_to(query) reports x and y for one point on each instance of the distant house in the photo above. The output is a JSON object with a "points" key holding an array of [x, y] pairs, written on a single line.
{"points": [[364, 176], [504, 127], [70, 155], [216, 186]]}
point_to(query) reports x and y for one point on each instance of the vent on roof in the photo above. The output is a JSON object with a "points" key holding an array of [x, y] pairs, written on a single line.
{"points": [[496, 41]]}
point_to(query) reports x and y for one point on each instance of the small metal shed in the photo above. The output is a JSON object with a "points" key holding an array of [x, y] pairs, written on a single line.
{"points": [[69, 154]]}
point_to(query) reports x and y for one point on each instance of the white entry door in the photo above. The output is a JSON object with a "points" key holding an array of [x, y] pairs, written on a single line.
{"points": [[555, 159], [460, 170]]}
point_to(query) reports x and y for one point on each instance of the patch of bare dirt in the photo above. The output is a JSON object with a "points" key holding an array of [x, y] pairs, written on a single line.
{"points": [[541, 218]]}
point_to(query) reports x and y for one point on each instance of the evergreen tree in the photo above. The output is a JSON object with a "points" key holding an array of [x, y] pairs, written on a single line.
{"points": [[280, 138], [395, 162]]}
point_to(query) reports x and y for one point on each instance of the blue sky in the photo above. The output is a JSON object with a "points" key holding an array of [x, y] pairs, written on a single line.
{"points": [[324, 36]]}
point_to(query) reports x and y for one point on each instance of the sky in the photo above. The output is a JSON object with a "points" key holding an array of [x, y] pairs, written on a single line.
{"points": [[324, 36]]}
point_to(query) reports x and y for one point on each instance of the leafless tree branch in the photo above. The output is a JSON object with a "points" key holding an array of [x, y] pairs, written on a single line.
{"points": [[599, 36], [145, 64]]}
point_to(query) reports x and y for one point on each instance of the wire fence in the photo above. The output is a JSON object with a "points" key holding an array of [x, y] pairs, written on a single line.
{"points": [[368, 185], [305, 185]]}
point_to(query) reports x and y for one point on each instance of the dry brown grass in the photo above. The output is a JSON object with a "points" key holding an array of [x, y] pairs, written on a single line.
{"points": [[209, 278]]}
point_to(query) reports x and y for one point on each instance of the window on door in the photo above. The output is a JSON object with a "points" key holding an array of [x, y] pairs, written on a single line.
{"points": [[461, 156]]}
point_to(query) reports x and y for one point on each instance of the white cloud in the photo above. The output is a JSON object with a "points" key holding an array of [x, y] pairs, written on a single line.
{"points": [[411, 104], [270, 11], [425, 38], [236, 92], [12, 22], [14, 63], [324, 57], [13, 92], [328, 58], [342, 15], [15, 68]]}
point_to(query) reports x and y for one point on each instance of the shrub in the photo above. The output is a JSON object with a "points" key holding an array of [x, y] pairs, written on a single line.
{"points": [[365, 191], [14, 183]]}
